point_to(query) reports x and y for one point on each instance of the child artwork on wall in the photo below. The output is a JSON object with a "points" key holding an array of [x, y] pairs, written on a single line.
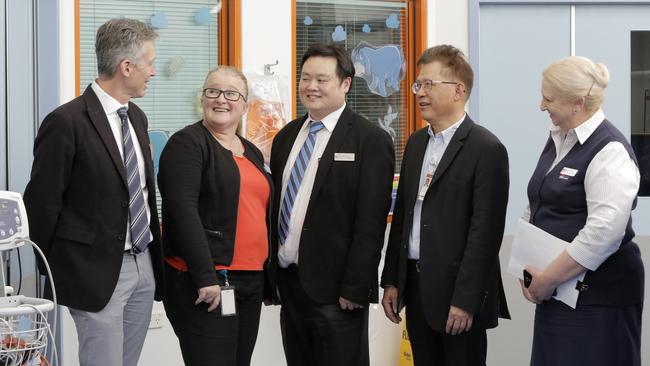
{"points": [[202, 16], [382, 68], [339, 34], [158, 20], [388, 120]]}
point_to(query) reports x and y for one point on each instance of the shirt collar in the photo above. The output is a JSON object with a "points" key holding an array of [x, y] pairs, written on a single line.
{"points": [[585, 129], [330, 120], [447, 133], [109, 104]]}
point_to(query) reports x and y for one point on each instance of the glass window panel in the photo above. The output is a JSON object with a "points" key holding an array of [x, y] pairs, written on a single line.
{"points": [[363, 21], [187, 48], [640, 108]]}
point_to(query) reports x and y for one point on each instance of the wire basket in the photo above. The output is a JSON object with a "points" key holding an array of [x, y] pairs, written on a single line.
{"points": [[23, 331]]}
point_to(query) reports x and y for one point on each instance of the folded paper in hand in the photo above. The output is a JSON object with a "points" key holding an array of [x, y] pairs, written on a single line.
{"points": [[534, 247]]}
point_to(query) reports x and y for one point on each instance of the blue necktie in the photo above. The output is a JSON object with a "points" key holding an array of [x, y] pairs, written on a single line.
{"points": [[138, 221], [297, 173]]}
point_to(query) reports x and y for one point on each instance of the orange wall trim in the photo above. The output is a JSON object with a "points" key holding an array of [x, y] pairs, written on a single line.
{"points": [[420, 41], [230, 33], [223, 34]]}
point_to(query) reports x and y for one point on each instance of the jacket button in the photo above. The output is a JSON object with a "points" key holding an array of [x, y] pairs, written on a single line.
{"points": [[125, 204], [120, 237]]}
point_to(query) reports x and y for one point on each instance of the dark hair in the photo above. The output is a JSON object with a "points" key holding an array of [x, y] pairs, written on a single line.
{"points": [[344, 65], [453, 61]]}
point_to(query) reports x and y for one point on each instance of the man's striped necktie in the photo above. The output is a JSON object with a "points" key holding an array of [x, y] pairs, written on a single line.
{"points": [[138, 221], [293, 183]]}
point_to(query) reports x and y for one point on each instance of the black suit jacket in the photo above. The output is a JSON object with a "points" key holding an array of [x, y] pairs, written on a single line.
{"points": [[77, 201], [343, 231], [462, 222], [199, 185]]}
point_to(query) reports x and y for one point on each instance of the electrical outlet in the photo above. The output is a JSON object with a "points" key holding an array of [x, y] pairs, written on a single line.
{"points": [[156, 320]]}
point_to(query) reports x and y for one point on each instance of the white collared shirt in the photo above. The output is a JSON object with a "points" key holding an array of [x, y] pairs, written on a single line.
{"points": [[436, 147], [611, 184], [110, 106], [288, 252]]}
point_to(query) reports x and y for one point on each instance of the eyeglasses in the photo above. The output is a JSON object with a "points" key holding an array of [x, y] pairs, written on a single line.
{"points": [[231, 95], [428, 84]]}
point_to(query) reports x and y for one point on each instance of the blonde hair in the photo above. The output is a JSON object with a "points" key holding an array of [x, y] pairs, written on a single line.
{"points": [[231, 70], [574, 77]]}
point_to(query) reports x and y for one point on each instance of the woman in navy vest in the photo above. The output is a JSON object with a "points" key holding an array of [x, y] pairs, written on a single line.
{"points": [[582, 191]]}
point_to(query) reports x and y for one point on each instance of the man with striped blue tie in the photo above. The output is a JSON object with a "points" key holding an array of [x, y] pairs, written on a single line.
{"points": [[333, 173], [91, 200]]}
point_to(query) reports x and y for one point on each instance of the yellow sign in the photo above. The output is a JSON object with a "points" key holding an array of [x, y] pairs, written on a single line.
{"points": [[405, 353]]}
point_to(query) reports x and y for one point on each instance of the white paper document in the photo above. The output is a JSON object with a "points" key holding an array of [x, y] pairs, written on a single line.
{"points": [[535, 247]]}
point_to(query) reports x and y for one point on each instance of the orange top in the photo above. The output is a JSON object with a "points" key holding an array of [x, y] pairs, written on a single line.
{"points": [[251, 235]]}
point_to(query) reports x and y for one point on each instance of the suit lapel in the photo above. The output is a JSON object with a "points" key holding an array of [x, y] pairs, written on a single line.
{"points": [[285, 149], [452, 149], [143, 141], [341, 130], [420, 143], [99, 120]]}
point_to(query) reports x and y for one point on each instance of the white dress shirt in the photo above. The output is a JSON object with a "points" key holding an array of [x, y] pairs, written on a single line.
{"points": [[436, 147], [611, 184], [288, 253], [110, 106]]}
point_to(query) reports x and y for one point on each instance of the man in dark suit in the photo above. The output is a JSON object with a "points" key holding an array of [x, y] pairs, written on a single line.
{"points": [[91, 200], [442, 257], [333, 173]]}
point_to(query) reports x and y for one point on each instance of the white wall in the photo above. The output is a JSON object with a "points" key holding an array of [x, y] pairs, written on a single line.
{"points": [[67, 52], [447, 23]]}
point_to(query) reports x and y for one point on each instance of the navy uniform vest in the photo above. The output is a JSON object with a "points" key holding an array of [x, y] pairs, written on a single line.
{"points": [[558, 206]]}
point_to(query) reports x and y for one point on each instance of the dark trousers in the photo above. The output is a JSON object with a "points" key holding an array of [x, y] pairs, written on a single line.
{"points": [[587, 335], [207, 338], [437, 348], [316, 334]]}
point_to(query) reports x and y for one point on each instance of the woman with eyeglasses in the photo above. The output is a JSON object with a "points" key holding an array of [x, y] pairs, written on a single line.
{"points": [[583, 191], [215, 208]]}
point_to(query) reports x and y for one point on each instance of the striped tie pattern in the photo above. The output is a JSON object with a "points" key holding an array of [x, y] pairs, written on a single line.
{"points": [[138, 221], [297, 172]]}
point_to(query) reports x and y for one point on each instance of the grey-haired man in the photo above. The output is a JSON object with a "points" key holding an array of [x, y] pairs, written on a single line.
{"points": [[91, 200]]}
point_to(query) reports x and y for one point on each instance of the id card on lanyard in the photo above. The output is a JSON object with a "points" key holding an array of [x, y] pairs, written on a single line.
{"points": [[228, 307], [425, 186], [431, 165]]}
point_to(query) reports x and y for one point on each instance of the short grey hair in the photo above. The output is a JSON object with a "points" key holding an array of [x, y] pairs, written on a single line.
{"points": [[574, 77], [120, 39]]}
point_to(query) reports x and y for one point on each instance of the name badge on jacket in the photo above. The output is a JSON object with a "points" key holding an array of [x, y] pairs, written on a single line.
{"points": [[343, 156], [568, 172]]}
